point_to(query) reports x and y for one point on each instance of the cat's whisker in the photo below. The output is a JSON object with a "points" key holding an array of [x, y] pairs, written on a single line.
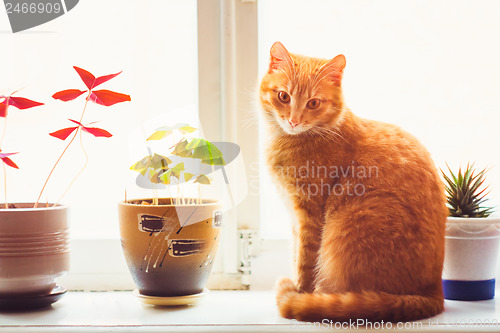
{"points": [[321, 78], [327, 133], [317, 73], [252, 113], [321, 134], [336, 132], [287, 76], [320, 75], [249, 122], [250, 117], [290, 63], [320, 72]]}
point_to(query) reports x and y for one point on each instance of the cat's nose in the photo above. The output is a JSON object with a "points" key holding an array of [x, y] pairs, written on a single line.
{"points": [[293, 124]]}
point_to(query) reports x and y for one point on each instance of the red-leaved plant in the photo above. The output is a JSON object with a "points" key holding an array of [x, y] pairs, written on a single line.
{"points": [[20, 103], [102, 97]]}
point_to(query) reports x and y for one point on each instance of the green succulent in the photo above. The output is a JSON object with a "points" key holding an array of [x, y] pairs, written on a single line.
{"points": [[465, 194]]}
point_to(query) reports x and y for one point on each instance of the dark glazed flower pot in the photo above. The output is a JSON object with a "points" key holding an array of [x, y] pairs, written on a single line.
{"points": [[169, 248], [34, 249]]}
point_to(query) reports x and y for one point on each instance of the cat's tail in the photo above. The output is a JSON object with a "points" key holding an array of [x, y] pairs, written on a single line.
{"points": [[367, 305]]}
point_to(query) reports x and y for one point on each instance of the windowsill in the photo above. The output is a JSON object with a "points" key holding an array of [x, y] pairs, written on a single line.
{"points": [[219, 311]]}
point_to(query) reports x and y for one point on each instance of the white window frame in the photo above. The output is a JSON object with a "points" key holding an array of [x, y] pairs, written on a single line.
{"points": [[227, 71]]}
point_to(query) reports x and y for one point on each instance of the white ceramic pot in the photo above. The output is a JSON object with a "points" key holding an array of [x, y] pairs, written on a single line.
{"points": [[471, 252], [34, 249]]}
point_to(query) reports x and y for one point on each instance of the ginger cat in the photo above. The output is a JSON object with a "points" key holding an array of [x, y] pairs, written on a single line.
{"points": [[370, 205]]}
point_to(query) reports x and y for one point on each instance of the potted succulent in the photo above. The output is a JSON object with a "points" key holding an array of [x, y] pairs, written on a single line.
{"points": [[34, 236], [471, 244], [170, 243]]}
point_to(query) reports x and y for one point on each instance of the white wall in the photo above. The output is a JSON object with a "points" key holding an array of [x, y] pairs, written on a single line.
{"points": [[154, 42], [431, 67]]}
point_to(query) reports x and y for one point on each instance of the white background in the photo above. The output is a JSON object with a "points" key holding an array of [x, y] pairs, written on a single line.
{"points": [[431, 67]]}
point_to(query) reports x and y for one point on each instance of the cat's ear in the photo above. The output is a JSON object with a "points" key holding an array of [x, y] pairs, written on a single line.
{"points": [[336, 68], [280, 57]]}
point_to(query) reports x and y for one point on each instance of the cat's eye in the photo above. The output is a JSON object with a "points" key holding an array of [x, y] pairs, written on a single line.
{"points": [[284, 97], [313, 103]]}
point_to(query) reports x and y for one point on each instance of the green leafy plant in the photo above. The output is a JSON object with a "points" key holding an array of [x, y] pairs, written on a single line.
{"points": [[466, 193], [160, 169]]}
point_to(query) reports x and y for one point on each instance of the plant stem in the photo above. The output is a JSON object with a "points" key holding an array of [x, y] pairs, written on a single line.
{"points": [[155, 198], [178, 193], [3, 132], [78, 174], [182, 198], [85, 106], [3, 164], [199, 194], [64, 151], [177, 143], [54, 167], [5, 184], [170, 194]]}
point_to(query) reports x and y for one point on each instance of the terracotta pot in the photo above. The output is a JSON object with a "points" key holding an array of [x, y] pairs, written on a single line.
{"points": [[34, 249], [169, 248]]}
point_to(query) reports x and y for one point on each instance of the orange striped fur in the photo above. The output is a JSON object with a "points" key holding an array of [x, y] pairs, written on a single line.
{"points": [[369, 241]]}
